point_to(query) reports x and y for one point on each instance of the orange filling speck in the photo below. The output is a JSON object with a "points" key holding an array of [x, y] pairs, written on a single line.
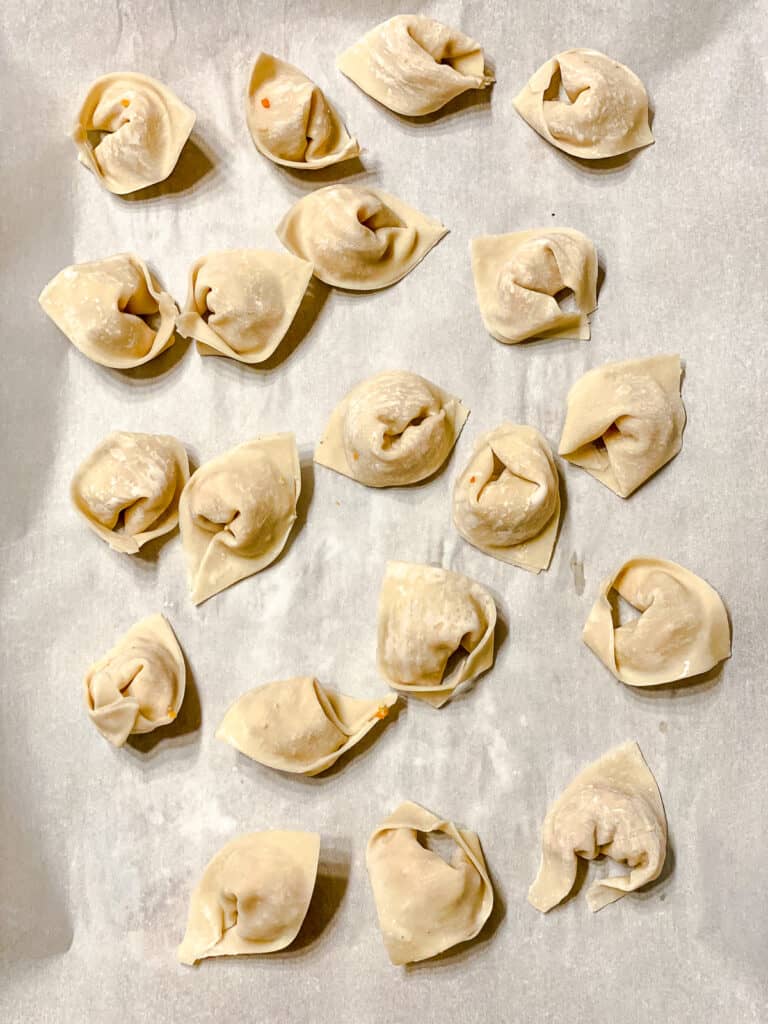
{"points": [[125, 103], [472, 479], [265, 103], [355, 456], [382, 712]]}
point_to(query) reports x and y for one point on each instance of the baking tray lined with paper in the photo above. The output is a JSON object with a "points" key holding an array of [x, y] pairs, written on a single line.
{"points": [[101, 847]]}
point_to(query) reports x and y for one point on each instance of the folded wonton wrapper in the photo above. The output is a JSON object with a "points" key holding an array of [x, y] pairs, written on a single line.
{"points": [[145, 126], [297, 725], [681, 632], [241, 302], [603, 112], [138, 686], [426, 905], [612, 807], [507, 500], [128, 489], [415, 65], [519, 276], [290, 120], [393, 429], [358, 238], [253, 896], [625, 421], [112, 310], [435, 631], [236, 512]]}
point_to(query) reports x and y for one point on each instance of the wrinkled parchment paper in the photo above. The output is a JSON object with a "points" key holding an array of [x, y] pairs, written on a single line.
{"points": [[99, 849]]}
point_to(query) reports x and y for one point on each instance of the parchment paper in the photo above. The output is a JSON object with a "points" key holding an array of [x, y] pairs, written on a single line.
{"points": [[101, 848]]}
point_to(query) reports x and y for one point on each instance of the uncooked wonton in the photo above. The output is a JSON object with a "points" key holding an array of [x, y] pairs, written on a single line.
{"points": [[682, 629], [426, 904], [358, 238], [587, 104], [253, 896], [290, 120], [613, 807], [523, 281], [144, 128], [297, 725], [393, 429]]}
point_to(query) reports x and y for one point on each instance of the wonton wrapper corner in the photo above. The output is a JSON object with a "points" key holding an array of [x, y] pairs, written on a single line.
{"points": [[145, 128], [612, 807], [237, 511], [112, 310], [682, 631], [138, 686], [428, 616], [290, 120], [253, 896], [241, 302], [624, 421], [361, 239], [604, 110], [518, 277], [415, 65], [506, 502], [298, 725], [128, 489], [425, 904], [391, 430]]}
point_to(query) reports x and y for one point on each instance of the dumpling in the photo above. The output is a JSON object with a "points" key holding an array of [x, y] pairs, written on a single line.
{"points": [[297, 725], [128, 488], [426, 904], [290, 120], [253, 896], [236, 512], [138, 686], [145, 128], [613, 807], [521, 277], [241, 302], [393, 429], [358, 238], [112, 310], [507, 500], [625, 421], [603, 112], [415, 65], [682, 629], [435, 630]]}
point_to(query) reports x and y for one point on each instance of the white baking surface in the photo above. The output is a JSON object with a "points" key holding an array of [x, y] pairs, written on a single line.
{"points": [[100, 848]]}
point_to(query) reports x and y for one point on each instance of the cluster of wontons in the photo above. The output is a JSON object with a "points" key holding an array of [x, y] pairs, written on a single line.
{"points": [[623, 422]]}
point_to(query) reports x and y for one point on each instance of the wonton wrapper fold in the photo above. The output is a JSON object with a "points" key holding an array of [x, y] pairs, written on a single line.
{"points": [[415, 65], [435, 630], [241, 302], [506, 502], [424, 904], [139, 685], [613, 807], [358, 238], [145, 126], [290, 120], [625, 421], [112, 310], [253, 896], [236, 512], [393, 429], [129, 487], [603, 112], [681, 632], [297, 725], [518, 276]]}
